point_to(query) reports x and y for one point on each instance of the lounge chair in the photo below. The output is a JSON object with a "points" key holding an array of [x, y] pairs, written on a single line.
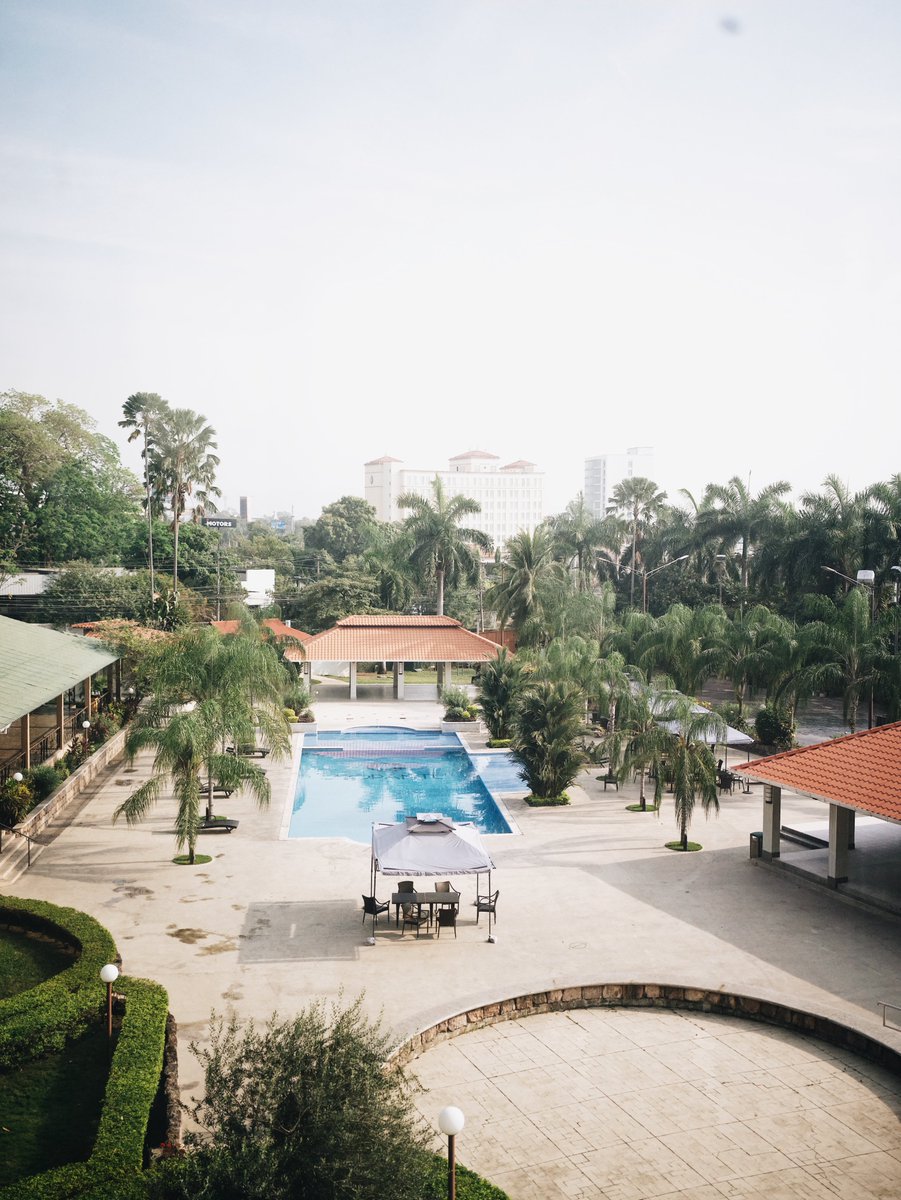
{"points": [[218, 789], [212, 824], [248, 750]]}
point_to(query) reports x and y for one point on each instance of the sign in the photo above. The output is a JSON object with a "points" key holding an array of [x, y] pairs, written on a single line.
{"points": [[219, 522]]}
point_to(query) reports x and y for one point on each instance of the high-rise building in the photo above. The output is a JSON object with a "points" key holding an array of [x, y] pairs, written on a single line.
{"points": [[511, 496], [604, 472]]}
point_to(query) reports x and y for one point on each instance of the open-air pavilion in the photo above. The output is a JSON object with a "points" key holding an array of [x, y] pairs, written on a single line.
{"points": [[397, 640], [859, 778]]}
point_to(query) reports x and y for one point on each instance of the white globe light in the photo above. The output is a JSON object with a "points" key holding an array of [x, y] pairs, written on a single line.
{"points": [[109, 973], [451, 1121], [86, 724], [18, 777]]}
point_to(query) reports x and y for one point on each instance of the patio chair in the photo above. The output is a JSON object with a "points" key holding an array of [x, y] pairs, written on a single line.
{"points": [[487, 904], [444, 886], [374, 908], [447, 917], [412, 915]]}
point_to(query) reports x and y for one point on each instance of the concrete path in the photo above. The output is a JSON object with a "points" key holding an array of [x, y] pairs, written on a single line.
{"points": [[588, 894]]}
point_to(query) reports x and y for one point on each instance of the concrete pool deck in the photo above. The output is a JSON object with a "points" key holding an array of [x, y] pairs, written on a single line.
{"points": [[588, 894]]}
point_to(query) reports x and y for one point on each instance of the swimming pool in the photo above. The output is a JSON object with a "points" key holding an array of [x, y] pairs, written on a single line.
{"points": [[350, 779]]}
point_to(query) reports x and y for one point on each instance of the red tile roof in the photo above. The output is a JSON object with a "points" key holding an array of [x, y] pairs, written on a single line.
{"points": [[279, 628], [862, 771], [386, 458], [473, 454], [395, 638]]}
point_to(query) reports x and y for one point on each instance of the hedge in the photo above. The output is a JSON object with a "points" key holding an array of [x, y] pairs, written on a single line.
{"points": [[41, 1020]]}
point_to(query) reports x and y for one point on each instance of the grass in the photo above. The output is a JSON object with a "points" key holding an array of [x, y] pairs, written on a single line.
{"points": [[26, 961], [637, 808], [183, 860], [41, 1125], [678, 845]]}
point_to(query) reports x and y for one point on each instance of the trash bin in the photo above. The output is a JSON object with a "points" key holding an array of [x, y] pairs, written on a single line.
{"points": [[757, 844]]}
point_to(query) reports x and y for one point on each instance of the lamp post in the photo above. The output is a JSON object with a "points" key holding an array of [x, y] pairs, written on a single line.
{"points": [[451, 1122], [109, 974], [86, 727], [18, 777], [867, 579], [646, 575]]}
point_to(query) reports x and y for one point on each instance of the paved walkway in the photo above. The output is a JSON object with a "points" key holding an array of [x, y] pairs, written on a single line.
{"points": [[588, 894]]}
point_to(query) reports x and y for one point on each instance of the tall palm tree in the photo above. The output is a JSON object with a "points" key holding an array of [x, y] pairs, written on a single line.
{"points": [[183, 461], [144, 413], [638, 742], [686, 643], [689, 757], [849, 650], [440, 548], [751, 647], [731, 513], [207, 690], [639, 500], [527, 565], [577, 535]]}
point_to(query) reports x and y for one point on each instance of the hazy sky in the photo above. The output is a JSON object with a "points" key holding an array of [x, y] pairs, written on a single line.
{"points": [[544, 229]]}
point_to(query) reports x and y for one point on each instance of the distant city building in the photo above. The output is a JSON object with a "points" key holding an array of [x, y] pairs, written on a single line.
{"points": [[242, 509], [604, 472], [511, 496]]}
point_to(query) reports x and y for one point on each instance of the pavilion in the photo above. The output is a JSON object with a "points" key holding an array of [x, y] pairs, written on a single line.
{"points": [[396, 639], [856, 774]]}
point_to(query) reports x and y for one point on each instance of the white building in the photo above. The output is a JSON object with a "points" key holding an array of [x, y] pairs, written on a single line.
{"points": [[604, 472], [511, 496]]}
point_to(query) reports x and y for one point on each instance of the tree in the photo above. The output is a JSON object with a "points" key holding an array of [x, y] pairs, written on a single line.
{"points": [[182, 464], [640, 501], [143, 413], [731, 513], [685, 643], [440, 548], [344, 528], [385, 559], [499, 686], [638, 742], [545, 737], [319, 605], [689, 759], [304, 1109], [848, 651], [577, 534], [237, 685], [523, 575]]}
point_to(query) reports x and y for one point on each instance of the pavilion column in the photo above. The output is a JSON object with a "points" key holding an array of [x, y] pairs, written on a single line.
{"points": [[352, 675], [86, 686], [398, 681], [839, 833], [851, 815], [60, 719], [772, 821], [25, 742], [306, 675]]}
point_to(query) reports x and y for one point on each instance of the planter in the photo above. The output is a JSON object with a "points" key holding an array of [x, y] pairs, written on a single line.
{"points": [[461, 726], [310, 727]]}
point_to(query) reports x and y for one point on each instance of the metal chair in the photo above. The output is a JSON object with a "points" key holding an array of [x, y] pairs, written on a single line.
{"points": [[373, 908], [487, 904], [447, 917]]}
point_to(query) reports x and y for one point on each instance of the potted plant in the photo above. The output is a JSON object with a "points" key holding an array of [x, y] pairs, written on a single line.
{"points": [[460, 714], [299, 701]]}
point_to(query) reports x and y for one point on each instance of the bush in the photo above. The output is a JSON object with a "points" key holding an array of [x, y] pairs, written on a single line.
{"points": [[303, 1108], [498, 743], [457, 705], [16, 799], [732, 715], [44, 781], [545, 737], [775, 727], [547, 801]]}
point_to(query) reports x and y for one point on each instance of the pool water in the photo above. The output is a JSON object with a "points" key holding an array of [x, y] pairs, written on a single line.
{"points": [[351, 779]]}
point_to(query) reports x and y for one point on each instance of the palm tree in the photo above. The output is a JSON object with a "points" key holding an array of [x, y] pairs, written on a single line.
{"points": [[638, 742], [545, 737], [526, 567], [144, 413], [385, 559], [686, 643], [208, 690], [731, 513], [577, 535], [499, 686], [850, 651], [751, 646], [638, 499], [689, 758], [182, 461], [439, 547]]}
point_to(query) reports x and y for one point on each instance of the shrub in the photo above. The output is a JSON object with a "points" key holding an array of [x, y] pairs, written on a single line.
{"points": [[498, 743], [16, 799], [44, 781], [546, 728], [733, 715], [303, 1108], [775, 727], [547, 801], [499, 685], [457, 705], [298, 698]]}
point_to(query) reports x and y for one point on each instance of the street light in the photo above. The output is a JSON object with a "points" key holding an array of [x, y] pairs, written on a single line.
{"points": [[451, 1122], [86, 726], [18, 777], [109, 974], [646, 575], [867, 579]]}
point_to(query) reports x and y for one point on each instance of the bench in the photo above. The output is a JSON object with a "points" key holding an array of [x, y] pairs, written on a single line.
{"points": [[248, 750], [608, 778]]}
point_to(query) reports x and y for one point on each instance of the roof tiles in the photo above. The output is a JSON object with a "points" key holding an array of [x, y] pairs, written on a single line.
{"points": [[861, 771], [395, 638]]}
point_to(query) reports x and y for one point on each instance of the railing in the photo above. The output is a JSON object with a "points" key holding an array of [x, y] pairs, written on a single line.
{"points": [[11, 765], [42, 747], [884, 1006], [18, 833]]}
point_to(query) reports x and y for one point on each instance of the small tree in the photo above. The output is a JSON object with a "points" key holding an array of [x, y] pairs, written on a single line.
{"points": [[500, 682], [546, 730], [302, 1109]]}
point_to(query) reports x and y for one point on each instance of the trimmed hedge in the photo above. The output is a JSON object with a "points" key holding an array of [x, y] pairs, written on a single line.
{"points": [[39, 1021], [547, 801]]}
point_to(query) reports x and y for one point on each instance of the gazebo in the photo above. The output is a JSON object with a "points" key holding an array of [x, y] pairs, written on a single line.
{"points": [[396, 639]]}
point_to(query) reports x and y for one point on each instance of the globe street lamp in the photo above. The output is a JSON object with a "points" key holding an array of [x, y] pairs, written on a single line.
{"points": [[451, 1122], [646, 575], [86, 726], [109, 974]]}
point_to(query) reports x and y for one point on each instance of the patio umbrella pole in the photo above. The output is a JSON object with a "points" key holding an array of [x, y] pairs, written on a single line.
{"points": [[491, 937]]}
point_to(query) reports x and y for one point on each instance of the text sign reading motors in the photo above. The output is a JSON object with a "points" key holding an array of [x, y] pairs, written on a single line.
{"points": [[219, 522]]}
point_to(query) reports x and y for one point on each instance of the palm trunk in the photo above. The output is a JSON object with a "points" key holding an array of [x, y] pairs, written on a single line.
{"points": [[209, 797], [440, 577], [641, 796], [175, 557], [149, 518]]}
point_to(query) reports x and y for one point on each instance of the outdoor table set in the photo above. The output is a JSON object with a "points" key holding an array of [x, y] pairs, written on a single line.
{"points": [[419, 899]]}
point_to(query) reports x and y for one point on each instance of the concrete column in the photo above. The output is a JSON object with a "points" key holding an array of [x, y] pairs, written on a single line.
{"points": [[25, 738], [60, 719], [306, 675], [851, 825], [398, 681], [772, 821], [839, 826], [352, 673]]}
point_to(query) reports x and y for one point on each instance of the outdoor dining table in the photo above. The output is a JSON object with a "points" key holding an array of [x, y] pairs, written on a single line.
{"points": [[420, 898]]}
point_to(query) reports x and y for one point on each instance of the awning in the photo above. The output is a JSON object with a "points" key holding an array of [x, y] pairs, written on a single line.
{"points": [[429, 845]]}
